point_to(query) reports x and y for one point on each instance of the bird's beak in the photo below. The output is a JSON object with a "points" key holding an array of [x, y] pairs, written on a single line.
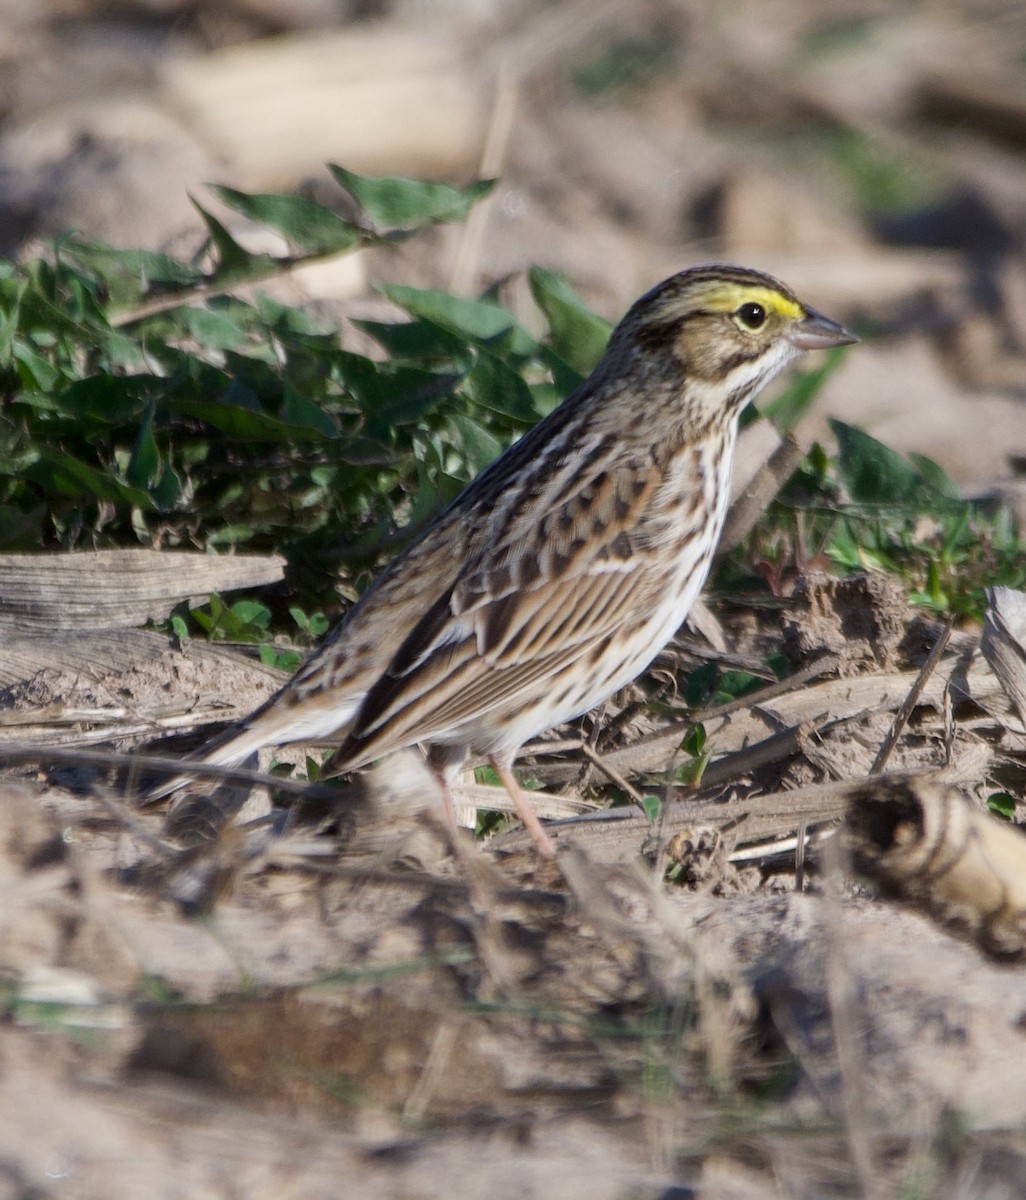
{"points": [[816, 332]]}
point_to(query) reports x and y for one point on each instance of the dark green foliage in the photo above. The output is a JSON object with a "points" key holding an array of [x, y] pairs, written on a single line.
{"points": [[143, 401]]}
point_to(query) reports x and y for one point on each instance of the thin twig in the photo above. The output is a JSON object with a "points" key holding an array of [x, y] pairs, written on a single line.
{"points": [[211, 286], [13, 752], [911, 700], [611, 772]]}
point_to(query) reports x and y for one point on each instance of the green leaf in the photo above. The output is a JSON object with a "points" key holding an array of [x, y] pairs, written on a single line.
{"points": [[690, 773], [652, 806], [141, 269], [875, 474], [1001, 804], [732, 685], [935, 476], [577, 334], [144, 465], [694, 742], [232, 259], [244, 621], [391, 395], [70, 476], [495, 386], [479, 320], [241, 422], [167, 492], [211, 328], [252, 612], [106, 399], [417, 339], [298, 410], [309, 226], [11, 293], [313, 625], [479, 446], [33, 369], [700, 684], [392, 202], [281, 660]]}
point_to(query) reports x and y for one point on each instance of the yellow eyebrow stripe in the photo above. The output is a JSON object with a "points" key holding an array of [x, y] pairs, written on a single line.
{"points": [[721, 296]]}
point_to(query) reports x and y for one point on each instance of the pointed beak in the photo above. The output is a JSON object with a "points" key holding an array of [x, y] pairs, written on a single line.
{"points": [[816, 332]]}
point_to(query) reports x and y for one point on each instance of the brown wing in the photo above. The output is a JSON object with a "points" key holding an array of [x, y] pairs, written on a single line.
{"points": [[532, 606]]}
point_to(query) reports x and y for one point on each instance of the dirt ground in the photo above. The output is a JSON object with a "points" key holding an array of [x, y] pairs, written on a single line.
{"points": [[317, 997]]}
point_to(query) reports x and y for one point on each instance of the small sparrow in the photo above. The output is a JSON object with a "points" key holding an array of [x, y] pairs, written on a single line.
{"points": [[560, 572]]}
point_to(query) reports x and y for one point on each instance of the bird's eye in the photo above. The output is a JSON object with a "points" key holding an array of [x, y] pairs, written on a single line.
{"points": [[751, 315]]}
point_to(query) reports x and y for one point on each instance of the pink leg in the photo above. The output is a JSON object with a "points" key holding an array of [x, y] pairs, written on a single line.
{"points": [[521, 803], [445, 763]]}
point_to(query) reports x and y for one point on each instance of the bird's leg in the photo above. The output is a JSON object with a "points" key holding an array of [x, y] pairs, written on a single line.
{"points": [[525, 812], [445, 762]]}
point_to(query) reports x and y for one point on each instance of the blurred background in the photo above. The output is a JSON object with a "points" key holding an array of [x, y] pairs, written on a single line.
{"points": [[871, 153]]}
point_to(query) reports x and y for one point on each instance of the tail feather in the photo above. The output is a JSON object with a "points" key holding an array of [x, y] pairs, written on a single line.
{"points": [[271, 725], [229, 749]]}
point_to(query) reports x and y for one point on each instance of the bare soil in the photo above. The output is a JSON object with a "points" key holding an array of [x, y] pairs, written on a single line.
{"points": [[316, 997]]}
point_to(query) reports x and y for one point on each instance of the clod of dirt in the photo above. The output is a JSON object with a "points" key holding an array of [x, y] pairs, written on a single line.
{"points": [[861, 619]]}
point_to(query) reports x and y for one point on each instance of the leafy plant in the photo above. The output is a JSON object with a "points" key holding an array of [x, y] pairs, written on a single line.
{"points": [[142, 399], [873, 509]]}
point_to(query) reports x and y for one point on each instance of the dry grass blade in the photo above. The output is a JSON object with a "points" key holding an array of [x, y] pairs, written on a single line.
{"points": [[495, 799], [619, 834]]}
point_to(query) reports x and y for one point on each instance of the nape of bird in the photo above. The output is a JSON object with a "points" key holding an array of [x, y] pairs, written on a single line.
{"points": [[560, 572]]}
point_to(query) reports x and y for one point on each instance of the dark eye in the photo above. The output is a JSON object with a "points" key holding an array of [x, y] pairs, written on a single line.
{"points": [[751, 315]]}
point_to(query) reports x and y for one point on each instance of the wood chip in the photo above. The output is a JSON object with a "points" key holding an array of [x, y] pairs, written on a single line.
{"points": [[118, 589], [1004, 643]]}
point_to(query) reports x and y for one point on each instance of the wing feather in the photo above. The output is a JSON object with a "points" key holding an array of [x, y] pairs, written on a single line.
{"points": [[528, 612]]}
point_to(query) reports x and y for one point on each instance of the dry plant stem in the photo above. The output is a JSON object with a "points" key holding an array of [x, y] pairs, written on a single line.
{"points": [[799, 856], [910, 701], [849, 1034], [212, 287], [611, 773], [468, 255], [438, 1060], [749, 507], [13, 752]]}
